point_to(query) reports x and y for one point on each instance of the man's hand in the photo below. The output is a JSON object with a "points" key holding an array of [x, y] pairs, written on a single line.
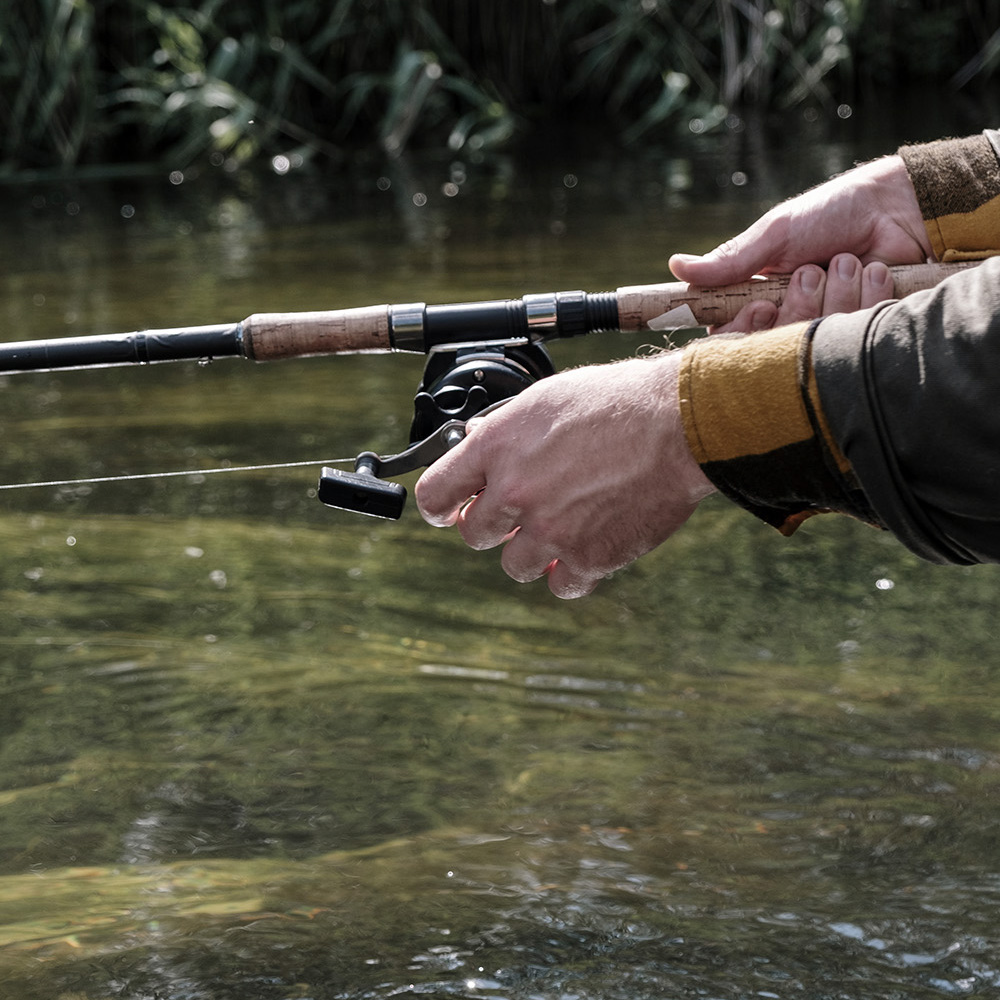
{"points": [[577, 476], [836, 240]]}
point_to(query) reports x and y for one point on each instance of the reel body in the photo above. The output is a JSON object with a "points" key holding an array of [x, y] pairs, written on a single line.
{"points": [[458, 383]]}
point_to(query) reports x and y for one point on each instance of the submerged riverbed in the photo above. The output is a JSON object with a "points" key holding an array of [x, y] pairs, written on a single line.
{"points": [[254, 747]]}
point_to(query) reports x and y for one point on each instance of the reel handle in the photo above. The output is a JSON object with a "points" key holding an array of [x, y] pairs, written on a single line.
{"points": [[361, 490], [364, 491]]}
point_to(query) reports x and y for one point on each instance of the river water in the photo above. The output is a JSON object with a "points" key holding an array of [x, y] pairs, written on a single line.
{"points": [[251, 747]]}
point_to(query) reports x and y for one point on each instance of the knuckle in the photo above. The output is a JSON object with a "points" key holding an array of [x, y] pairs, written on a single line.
{"points": [[728, 250]]}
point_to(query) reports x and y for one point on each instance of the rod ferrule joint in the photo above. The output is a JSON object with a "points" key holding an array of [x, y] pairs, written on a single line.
{"points": [[541, 313], [407, 327]]}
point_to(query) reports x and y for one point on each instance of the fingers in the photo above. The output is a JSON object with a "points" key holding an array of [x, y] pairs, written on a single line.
{"points": [[485, 524], [763, 247], [804, 299], [528, 553], [805, 296], [525, 560], [752, 317], [814, 292], [566, 584], [876, 284], [845, 286], [447, 486]]}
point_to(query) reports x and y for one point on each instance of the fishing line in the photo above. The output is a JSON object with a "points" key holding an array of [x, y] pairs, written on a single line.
{"points": [[170, 475]]}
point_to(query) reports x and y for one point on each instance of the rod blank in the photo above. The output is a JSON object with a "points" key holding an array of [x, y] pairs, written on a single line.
{"points": [[191, 344]]}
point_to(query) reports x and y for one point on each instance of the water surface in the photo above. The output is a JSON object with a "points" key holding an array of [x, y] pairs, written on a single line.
{"points": [[253, 747]]}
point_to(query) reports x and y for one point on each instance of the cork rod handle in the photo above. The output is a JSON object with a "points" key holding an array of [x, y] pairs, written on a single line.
{"points": [[677, 306], [270, 336]]}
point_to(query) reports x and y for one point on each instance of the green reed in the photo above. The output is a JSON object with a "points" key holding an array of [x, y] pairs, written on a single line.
{"points": [[136, 80], [48, 81]]}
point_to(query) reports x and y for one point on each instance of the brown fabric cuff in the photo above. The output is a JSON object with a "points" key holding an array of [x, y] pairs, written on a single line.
{"points": [[752, 420], [957, 182]]}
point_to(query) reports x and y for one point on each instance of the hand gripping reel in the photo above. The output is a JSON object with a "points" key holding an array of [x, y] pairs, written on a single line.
{"points": [[461, 382]]}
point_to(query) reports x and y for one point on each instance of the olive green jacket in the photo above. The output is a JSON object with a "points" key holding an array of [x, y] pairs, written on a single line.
{"points": [[889, 414]]}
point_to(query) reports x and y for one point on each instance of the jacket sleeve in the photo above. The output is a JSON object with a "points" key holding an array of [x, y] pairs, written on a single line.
{"points": [[909, 391], [886, 414]]}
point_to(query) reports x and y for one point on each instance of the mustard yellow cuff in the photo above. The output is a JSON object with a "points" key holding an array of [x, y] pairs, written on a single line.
{"points": [[741, 396], [754, 423]]}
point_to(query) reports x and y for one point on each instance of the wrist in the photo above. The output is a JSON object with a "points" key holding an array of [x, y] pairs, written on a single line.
{"points": [[690, 479], [894, 195]]}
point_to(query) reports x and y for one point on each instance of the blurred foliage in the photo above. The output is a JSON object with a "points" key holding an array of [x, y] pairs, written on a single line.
{"points": [[100, 81]]}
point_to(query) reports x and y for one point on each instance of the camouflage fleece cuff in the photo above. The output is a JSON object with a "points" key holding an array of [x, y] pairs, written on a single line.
{"points": [[957, 182]]}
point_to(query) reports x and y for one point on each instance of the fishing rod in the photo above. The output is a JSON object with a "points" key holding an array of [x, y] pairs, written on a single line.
{"points": [[480, 354], [420, 328]]}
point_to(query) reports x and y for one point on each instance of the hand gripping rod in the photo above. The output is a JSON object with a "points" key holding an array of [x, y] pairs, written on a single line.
{"points": [[417, 327]]}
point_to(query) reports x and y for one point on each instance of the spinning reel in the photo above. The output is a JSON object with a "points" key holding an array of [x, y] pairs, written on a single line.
{"points": [[459, 382]]}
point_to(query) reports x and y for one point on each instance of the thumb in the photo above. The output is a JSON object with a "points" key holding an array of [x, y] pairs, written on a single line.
{"points": [[735, 260]]}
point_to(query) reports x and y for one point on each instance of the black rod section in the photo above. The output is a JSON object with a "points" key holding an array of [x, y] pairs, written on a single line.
{"points": [[493, 320], [572, 313], [191, 344], [586, 312]]}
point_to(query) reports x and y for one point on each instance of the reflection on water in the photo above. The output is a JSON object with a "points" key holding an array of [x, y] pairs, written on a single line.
{"points": [[252, 747]]}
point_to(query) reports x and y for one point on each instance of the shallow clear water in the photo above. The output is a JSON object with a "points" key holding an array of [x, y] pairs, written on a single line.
{"points": [[253, 747]]}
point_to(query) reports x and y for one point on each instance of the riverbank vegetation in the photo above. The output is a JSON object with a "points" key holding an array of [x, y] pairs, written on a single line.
{"points": [[127, 81]]}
